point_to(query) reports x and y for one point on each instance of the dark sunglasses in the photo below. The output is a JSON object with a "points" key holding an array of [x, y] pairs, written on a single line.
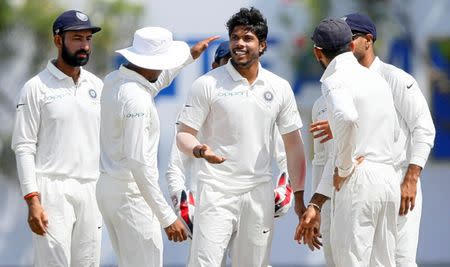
{"points": [[357, 34]]}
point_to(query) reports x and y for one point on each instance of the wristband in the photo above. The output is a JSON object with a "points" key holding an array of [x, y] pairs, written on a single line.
{"points": [[198, 151], [310, 204], [31, 195]]}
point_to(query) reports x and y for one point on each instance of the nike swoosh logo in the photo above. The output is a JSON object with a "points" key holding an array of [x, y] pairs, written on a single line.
{"points": [[18, 105], [188, 106], [266, 231], [409, 86], [99, 227]]}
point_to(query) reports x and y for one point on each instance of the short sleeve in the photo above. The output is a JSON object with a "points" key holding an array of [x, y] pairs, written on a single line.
{"points": [[288, 119], [197, 106]]}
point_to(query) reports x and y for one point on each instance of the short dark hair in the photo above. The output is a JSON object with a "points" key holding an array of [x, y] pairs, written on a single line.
{"points": [[252, 20], [332, 53]]}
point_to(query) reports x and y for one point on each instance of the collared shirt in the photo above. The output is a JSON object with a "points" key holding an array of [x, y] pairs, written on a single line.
{"points": [[182, 166], [129, 134], [57, 122], [238, 121], [361, 113], [323, 154], [417, 129]]}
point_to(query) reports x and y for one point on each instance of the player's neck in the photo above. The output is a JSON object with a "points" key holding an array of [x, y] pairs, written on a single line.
{"points": [[368, 59], [249, 72], [71, 71]]}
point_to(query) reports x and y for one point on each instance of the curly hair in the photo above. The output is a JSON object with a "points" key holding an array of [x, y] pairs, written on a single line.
{"points": [[252, 20]]}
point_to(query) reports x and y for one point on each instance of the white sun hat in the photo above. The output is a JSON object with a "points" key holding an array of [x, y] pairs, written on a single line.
{"points": [[154, 48]]}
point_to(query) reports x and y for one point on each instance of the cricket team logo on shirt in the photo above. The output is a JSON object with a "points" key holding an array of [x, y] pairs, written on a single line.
{"points": [[268, 96], [92, 93]]}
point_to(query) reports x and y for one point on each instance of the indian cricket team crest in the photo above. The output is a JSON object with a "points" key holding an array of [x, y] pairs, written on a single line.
{"points": [[268, 96], [81, 16], [92, 93]]}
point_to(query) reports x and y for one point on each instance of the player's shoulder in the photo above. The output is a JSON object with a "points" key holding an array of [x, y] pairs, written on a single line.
{"points": [[93, 78], [273, 78], [394, 74]]}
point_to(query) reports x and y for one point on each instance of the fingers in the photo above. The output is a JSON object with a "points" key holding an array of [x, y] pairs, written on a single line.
{"points": [[320, 134], [412, 203], [403, 204], [214, 159], [210, 39], [326, 139], [298, 234], [318, 125]]}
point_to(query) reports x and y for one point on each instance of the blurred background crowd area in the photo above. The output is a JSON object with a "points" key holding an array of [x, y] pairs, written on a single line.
{"points": [[412, 34]]}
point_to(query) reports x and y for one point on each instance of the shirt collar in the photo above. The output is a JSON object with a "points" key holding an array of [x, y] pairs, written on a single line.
{"points": [[339, 61], [236, 76], [376, 64], [132, 75], [51, 67]]}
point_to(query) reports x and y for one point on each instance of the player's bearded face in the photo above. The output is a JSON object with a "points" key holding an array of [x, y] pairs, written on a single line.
{"points": [[245, 47], [76, 59]]}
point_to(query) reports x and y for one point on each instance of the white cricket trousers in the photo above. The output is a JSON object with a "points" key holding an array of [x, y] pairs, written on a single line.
{"points": [[74, 223], [245, 220], [325, 217], [325, 224], [364, 217], [133, 229], [408, 230]]}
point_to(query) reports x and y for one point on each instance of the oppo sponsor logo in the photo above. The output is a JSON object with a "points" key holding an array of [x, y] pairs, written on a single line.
{"points": [[135, 115], [228, 94]]}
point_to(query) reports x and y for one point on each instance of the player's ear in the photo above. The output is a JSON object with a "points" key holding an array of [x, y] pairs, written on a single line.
{"points": [[318, 53], [57, 40]]}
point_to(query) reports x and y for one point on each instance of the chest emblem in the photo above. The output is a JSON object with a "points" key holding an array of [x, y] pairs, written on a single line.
{"points": [[92, 93], [268, 96]]}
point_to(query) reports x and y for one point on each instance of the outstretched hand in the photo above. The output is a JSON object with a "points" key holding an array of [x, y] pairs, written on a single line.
{"points": [[203, 151], [201, 46]]}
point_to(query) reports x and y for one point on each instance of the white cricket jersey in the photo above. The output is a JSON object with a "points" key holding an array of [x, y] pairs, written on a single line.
{"points": [[417, 129], [57, 127], [238, 121], [361, 113], [129, 134], [323, 160], [182, 166]]}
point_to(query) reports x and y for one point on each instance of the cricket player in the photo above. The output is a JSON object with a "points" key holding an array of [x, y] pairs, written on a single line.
{"points": [[237, 108], [363, 121], [417, 134], [182, 166], [128, 193], [322, 171], [56, 142]]}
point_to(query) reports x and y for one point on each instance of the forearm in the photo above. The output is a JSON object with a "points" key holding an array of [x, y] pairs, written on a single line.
{"points": [[186, 143], [296, 163], [325, 186], [419, 154], [26, 171], [412, 173], [147, 180], [318, 199]]}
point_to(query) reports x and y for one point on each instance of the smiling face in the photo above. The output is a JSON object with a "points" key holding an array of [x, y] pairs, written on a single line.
{"points": [[245, 47]]}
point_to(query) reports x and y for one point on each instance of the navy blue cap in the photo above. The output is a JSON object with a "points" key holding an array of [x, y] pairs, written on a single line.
{"points": [[361, 23], [331, 34], [73, 20], [222, 51]]}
